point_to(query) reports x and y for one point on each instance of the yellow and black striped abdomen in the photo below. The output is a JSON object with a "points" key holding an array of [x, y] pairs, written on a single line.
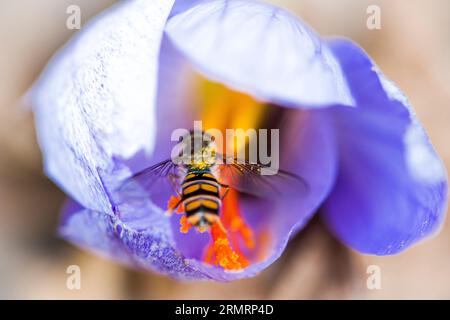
{"points": [[201, 193]]}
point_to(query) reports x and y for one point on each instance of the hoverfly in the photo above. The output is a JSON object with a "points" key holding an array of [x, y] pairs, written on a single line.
{"points": [[197, 180]]}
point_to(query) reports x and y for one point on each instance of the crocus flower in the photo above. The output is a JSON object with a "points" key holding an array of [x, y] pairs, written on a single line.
{"points": [[108, 101]]}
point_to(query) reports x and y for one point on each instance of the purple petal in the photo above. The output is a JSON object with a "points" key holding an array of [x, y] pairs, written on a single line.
{"points": [[391, 190], [110, 237], [91, 100], [151, 248], [138, 233], [259, 49]]}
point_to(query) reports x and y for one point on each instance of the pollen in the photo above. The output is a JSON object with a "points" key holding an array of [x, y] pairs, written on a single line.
{"points": [[201, 165], [220, 251], [234, 221], [232, 239], [225, 249], [172, 204], [185, 226]]}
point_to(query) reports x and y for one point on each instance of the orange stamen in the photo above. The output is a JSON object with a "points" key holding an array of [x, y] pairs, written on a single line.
{"points": [[242, 258], [219, 106], [225, 256], [221, 252], [224, 250], [233, 220], [185, 225], [173, 201]]}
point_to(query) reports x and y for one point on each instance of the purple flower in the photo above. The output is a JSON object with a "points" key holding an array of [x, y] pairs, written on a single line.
{"points": [[108, 101]]}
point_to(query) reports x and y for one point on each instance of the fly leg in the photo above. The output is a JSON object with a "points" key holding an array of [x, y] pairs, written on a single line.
{"points": [[174, 182], [174, 204]]}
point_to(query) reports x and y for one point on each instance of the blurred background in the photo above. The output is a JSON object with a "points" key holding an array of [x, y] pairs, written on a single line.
{"points": [[412, 48]]}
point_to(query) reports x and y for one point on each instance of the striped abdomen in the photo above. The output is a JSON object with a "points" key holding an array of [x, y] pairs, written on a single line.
{"points": [[201, 193]]}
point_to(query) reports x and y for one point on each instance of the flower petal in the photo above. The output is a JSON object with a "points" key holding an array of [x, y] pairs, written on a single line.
{"points": [[107, 235], [97, 96], [138, 233], [261, 50], [391, 190]]}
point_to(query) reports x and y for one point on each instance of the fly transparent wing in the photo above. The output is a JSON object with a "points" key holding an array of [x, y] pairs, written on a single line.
{"points": [[248, 178], [161, 179]]}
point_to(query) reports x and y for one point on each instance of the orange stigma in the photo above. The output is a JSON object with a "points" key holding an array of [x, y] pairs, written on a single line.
{"points": [[225, 248], [234, 221], [174, 204], [185, 225], [232, 238], [220, 251]]}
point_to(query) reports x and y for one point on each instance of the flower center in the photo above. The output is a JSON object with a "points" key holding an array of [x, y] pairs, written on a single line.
{"points": [[224, 108], [231, 236]]}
